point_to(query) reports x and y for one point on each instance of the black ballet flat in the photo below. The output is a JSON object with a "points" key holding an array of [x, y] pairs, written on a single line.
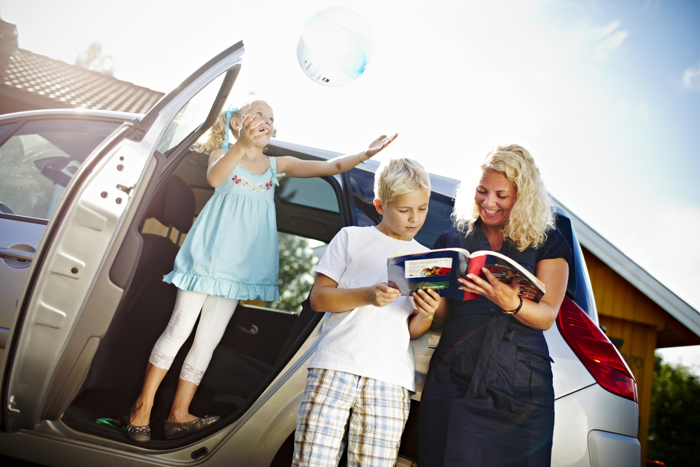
{"points": [[138, 434], [178, 430]]}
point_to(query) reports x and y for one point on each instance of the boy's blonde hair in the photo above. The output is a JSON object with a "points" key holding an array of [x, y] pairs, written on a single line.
{"points": [[398, 176]]}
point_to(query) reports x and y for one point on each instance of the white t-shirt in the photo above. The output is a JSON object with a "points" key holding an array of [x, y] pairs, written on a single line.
{"points": [[367, 341]]}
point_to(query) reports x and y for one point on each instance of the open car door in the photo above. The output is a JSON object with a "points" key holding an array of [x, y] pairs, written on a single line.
{"points": [[72, 290]]}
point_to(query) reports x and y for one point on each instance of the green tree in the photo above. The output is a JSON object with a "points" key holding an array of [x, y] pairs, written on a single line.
{"points": [[297, 261], [93, 59], [674, 423]]}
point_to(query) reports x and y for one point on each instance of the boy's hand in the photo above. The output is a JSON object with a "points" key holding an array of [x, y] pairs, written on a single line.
{"points": [[379, 144], [381, 294], [427, 302]]}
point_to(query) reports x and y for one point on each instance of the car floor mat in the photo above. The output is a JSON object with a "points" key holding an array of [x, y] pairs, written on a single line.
{"points": [[93, 405]]}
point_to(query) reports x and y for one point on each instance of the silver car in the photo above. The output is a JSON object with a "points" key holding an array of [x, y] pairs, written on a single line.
{"points": [[93, 208]]}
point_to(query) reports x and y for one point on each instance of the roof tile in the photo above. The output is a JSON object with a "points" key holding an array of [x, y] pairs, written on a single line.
{"points": [[27, 72]]}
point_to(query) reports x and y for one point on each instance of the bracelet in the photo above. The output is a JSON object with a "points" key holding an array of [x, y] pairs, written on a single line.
{"points": [[360, 159], [515, 312]]}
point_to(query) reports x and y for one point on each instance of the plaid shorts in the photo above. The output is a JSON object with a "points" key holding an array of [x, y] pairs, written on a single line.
{"points": [[377, 413]]}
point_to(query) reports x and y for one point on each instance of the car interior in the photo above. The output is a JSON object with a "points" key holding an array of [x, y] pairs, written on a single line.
{"points": [[260, 338]]}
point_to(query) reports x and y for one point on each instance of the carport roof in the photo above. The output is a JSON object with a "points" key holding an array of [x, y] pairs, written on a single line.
{"points": [[38, 80]]}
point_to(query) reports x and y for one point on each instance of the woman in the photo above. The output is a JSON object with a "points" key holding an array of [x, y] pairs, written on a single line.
{"points": [[488, 399]]}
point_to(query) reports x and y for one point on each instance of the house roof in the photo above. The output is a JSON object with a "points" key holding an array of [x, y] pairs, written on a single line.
{"points": [[633, 273], [35, 78]]}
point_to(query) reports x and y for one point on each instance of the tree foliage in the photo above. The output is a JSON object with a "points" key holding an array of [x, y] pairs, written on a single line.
{"points": [[93, 59], [674, 423], [297, 261]]}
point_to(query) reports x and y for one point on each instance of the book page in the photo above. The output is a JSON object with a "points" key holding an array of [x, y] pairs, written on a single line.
{"points": [[428, 267]]}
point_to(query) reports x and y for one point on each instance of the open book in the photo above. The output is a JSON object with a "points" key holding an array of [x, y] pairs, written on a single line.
{"points": [[440, 269]]}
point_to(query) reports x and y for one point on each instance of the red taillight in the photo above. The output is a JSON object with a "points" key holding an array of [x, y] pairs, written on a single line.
{"points": [[596, 352]]}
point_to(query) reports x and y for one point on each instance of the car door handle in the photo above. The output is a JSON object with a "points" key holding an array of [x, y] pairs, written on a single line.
{"points": [[23, 255], [252, 330]]}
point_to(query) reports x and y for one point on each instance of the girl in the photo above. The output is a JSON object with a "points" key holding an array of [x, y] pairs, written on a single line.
{"points": [[230, 254]]}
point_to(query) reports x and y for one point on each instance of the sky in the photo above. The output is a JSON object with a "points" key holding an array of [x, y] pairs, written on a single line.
{"points": [[604, 94]]}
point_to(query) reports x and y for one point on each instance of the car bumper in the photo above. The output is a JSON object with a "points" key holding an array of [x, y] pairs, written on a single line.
{"points": [[595, 428]]}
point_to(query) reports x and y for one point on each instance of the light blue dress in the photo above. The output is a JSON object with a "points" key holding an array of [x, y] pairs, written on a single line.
{"points": [[232, 248]]}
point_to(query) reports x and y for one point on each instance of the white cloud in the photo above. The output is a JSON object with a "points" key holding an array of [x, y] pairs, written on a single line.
{"points": [[612, 39], [691, 77], [608, 29]]}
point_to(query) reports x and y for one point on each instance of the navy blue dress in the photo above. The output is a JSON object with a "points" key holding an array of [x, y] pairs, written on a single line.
{"points": [[488, 398]]}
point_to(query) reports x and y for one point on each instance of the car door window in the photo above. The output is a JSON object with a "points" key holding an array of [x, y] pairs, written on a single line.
{"points": [[190, 117], [38, 160], [5, 129], [311, 192], [307, 219], [298, 257]]}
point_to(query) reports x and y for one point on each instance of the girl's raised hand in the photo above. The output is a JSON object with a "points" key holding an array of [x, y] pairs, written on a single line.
{"points": [[379, 144], [250, 131]]}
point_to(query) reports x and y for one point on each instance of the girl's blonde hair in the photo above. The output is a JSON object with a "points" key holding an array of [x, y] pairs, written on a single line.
{"points": [[532, 215], [398, 176], [215, 136]]}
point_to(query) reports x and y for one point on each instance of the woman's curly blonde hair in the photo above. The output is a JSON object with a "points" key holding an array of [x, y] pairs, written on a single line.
{"points": [[215, 136], [532, 215]]}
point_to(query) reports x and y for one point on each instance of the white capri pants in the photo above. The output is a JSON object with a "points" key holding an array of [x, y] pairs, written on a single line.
{"points": [[216, 313]]}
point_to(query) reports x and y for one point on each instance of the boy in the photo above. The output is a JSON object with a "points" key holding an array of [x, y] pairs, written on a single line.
{"points": [[363, 368]]}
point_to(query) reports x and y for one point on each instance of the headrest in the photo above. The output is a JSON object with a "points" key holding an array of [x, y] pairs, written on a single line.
{"points": [[179, 205]]}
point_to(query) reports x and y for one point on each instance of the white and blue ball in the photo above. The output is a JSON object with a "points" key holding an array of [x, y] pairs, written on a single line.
{"points": [[335, 47]]}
